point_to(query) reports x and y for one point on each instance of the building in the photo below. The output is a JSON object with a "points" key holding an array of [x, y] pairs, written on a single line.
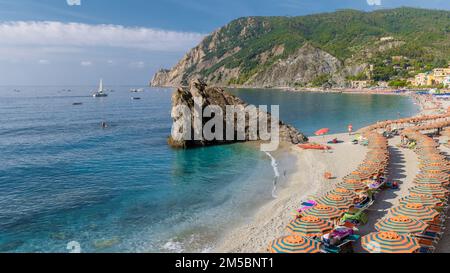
{"points": [[359, 84], [447, 82], [386, 39], [421, 79], [436, 77]]}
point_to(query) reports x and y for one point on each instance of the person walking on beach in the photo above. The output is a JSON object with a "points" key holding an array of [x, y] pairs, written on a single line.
{"points": [[350, 129]]}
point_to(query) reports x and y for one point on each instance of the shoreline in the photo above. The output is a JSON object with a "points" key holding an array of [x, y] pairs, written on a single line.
{"points": [[271, 219]]}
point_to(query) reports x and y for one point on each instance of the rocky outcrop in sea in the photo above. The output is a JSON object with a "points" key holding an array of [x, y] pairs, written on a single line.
{"points": [[213, 96]]}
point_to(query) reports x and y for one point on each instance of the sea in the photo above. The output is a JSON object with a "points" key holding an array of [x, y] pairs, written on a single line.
{"points": [[68, 184]]}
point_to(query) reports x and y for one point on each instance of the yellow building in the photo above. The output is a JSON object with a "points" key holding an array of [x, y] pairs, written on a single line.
{"points": [[436, 77]]}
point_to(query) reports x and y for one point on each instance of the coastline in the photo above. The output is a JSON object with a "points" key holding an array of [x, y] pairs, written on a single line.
{"points": [[270, 220]]}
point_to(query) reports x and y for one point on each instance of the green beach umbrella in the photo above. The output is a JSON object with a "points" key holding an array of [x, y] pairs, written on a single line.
{"points": [[401, 225], [327, 213], [334, 200], [389, 242], [430, 189], [415, 211], [309, 226], [426, 200], [294, 244]]}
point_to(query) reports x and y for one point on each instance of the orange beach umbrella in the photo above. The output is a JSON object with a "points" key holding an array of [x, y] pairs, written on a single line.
{"points": [[389, 242], [309, 226], [294, 244]]}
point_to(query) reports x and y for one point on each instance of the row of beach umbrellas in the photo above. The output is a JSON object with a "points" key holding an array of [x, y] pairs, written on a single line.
{"points": [[322, 218], [402, 231]]}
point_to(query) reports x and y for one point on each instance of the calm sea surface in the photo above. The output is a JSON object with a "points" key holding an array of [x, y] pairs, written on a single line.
{"points": [[122, 189]]}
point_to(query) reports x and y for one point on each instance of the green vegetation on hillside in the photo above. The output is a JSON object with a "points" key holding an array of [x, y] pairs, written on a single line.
{"points": [[346, 34]]}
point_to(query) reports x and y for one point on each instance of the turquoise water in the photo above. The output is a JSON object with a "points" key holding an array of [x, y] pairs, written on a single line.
{"points": [[122, 189]]}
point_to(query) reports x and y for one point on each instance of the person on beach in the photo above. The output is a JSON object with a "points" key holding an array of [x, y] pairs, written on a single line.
{"points": [[350, 129]]}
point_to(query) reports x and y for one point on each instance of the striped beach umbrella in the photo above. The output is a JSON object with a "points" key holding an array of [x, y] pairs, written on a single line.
{"points": [[389, 242], [415, 211], [431, 180], [324, 212], [335, 200], [430, 189], [426, 200], [401, 225], [444, 176], [345, 193], [294, 244], [432, 168], [309, 226], [353, 185]]}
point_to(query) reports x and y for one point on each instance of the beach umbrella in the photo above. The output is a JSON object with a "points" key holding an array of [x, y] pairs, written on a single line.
{"points": [[415, 211], [430, 189], [433, 168], [443, 176], [334, 200], [309, 226], [389, 242], [426, 200], [431, 180], [324, 212], [294, 244], [345, 193], [322, 132], [401, 225], [353, 185]]}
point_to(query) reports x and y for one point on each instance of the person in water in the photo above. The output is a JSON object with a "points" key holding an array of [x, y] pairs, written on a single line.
{"points": [[104, 125]]}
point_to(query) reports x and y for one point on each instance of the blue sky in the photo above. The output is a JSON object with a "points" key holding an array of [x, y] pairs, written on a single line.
{"points": [[126, 41]]}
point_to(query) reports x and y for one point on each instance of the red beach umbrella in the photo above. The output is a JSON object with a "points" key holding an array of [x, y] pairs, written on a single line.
{"points": [[322, 132]]}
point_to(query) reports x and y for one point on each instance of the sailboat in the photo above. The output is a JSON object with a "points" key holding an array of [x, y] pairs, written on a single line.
{"points": [[100, 93]]}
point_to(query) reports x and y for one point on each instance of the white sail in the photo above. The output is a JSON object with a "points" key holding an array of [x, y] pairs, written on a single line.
{"points": [[100, 88]]}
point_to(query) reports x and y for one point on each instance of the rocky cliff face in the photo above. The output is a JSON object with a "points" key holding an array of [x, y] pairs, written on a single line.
{"points": [[316, 50], [217, 96], [299, 68]]}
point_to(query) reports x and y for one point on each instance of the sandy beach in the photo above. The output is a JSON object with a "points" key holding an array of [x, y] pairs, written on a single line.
{"points": [[271, 220]]}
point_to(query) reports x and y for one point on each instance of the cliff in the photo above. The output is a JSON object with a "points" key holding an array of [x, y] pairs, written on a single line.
{"points": [[317, 50]]}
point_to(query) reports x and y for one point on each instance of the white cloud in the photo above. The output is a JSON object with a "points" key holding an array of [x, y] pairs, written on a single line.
{"points": [[86, 63], [43, 61], [57, 34], [374, 2]]}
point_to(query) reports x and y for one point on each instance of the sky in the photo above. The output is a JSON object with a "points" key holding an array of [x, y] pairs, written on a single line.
{"points": [[76, 42]]}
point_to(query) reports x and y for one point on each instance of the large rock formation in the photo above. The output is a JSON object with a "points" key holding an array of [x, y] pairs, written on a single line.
{"points": [[322, 50], [218, 97]]}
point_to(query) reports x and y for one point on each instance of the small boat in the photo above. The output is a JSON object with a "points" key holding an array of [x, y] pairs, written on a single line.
{"points": [[136, 90], [313, 146], [101, 92], [77, 103], [135, 98]]}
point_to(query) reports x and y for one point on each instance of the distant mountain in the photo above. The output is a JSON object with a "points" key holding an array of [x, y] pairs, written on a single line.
{"points": [[317, 50]]}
